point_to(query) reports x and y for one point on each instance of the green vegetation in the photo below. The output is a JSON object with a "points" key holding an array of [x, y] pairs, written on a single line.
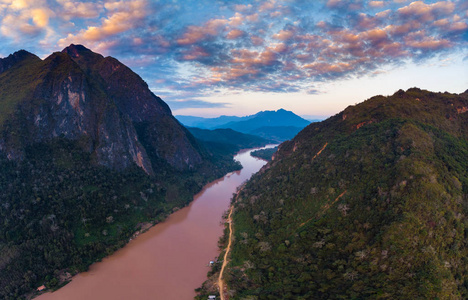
{"points": [[71, 135], [60, 212], [380, 213], [227, 141], [265, 154], [15, 87]]}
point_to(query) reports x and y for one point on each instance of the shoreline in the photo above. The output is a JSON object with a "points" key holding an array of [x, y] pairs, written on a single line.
{"points": [[148, 226]]}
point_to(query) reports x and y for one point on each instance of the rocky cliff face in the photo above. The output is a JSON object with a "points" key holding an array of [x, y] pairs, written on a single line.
{"points": [[80, 95]]}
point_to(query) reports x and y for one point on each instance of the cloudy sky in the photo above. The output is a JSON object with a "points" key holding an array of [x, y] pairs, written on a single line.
{"points": [[213, 57]]}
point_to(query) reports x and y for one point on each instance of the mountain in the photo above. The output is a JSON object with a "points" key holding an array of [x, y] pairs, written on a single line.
{"points": [[227, 141], [268, 118], [277, 133], [277, 125], [87, 155], [265, 154], [371, 203], [208, 123], [79, 94]]}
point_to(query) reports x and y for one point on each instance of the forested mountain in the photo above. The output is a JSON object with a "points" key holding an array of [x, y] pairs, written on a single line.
{"points": [[277, 125], [227, 141], [266, 154], [277, 133], [87, 153], [371, 203]]}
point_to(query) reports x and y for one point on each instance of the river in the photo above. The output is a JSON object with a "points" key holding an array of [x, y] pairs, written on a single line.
{"points": [[171, 259]]}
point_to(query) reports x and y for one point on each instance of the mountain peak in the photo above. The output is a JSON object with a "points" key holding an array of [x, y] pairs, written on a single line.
{"points": [[76, 50], [22, 53], [12, 59]]}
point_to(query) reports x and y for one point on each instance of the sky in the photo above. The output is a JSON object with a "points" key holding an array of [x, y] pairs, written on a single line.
{"points": [[230, 57]]}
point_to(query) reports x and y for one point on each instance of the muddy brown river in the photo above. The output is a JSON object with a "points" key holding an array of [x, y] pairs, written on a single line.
{"points": [[171, 259]]}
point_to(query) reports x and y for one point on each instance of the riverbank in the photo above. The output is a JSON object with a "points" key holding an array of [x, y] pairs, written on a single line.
{"points": [[177, 250]]}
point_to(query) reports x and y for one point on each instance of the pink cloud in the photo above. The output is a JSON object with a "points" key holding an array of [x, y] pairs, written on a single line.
{"points": [[242, 7], [195, 53], [121, 17], [257, 41], [86, 10], [427, 43], [236, 20], [283, 35], [267, 5], [376, 3], [198, 33], [252, 18], [426, 12], [234, 34]]}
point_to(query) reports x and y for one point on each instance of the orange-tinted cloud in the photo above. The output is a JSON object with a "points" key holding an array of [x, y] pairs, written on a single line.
{"points": [[195, 34], [24, 17], [76, 9], [283, 35], [234, 34], [426, 12], [376, 3], [121, 17]]}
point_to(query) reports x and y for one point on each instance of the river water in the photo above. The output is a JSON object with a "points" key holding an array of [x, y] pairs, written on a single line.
{"points": [[171, 259]]}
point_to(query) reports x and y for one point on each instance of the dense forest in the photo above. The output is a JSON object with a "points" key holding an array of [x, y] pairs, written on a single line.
{"points": [[60, 213], [88, 156], [369, 204], [266, 154]]}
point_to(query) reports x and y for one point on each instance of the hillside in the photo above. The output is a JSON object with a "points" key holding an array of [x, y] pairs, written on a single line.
{"points": [[227, 141], [87, 155], [265, 154], [371, 203], [277, 133]]}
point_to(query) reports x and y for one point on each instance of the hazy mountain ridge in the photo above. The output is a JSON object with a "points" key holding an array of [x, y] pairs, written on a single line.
{"points": [[267, 118], [277, 125], [370, 203], [209, 123]]}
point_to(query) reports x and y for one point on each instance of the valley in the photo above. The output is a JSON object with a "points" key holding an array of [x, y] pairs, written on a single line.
{"points": [[233, 150], [171, 259]]}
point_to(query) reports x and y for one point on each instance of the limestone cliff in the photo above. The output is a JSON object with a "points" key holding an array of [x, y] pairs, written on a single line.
{"points": [[97, 101]]}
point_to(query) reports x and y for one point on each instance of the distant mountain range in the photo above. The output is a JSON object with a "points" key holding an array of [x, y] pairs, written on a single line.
{"points": [[209, 123], [277, 125]]}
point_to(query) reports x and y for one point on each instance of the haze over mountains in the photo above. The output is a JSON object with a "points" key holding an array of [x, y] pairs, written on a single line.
{"points": [[371, 203], [277, 125]]}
